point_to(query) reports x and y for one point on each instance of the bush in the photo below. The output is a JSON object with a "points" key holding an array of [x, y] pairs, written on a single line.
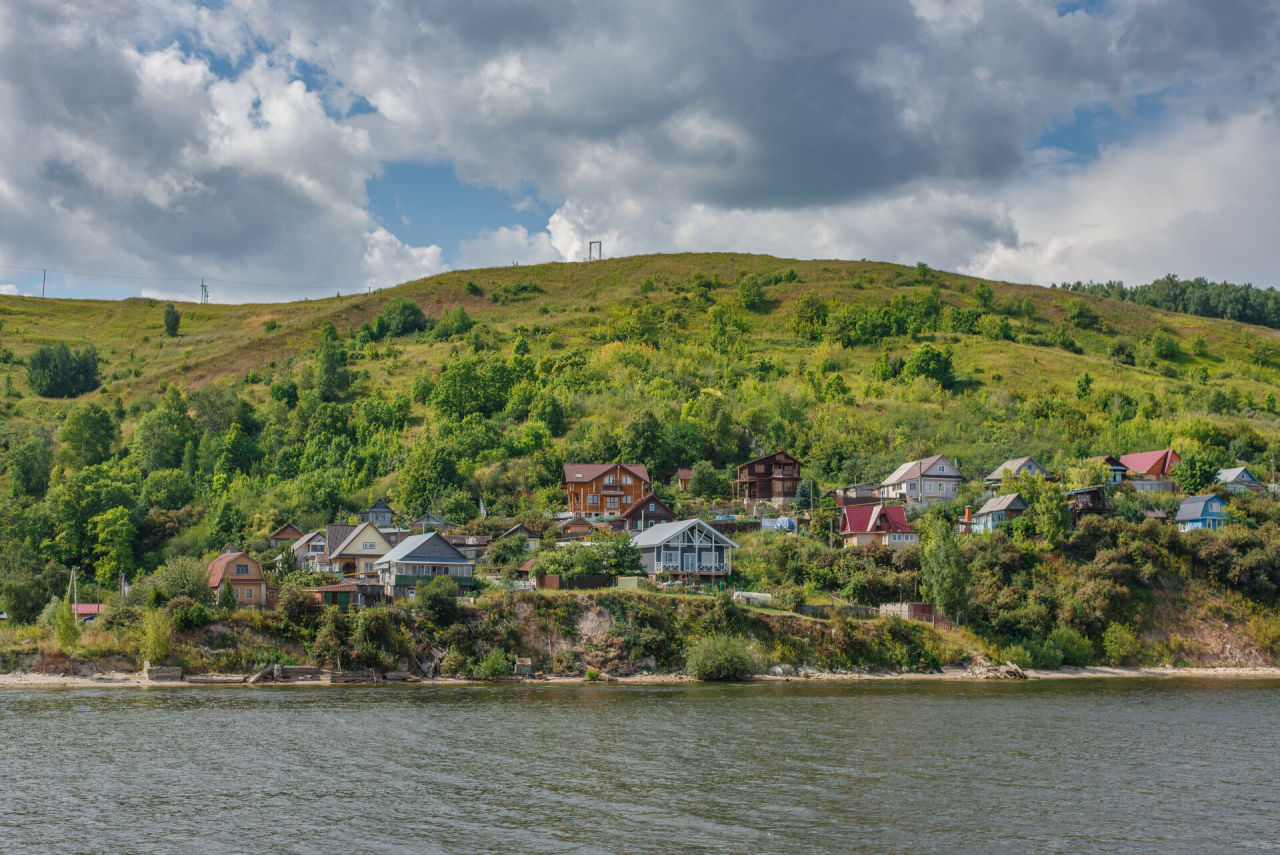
{"points": [[402, 316], [187, 614], [437, 600], [156, 631], [1076, 649], [452, 664], [493, 666], [119, 617], [592, 675], [1164, 346], [1120, 644], [172, 317], [66, 629], [721, 657], [294, 602], [1019, 655], [59, 372]]}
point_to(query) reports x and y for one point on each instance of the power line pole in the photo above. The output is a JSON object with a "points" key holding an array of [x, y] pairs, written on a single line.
{"points": [[44, 280]]}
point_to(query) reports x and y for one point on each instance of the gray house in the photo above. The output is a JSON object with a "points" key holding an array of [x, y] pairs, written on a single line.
{"points": [[419, 559], [690, 550], [379, 513]]}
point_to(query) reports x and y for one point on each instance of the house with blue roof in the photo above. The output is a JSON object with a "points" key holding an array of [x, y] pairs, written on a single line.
{"points": [[1202, 512], [420, 558]]}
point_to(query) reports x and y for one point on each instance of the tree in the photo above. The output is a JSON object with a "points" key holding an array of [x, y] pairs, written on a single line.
{"points": [[944, 576], [645, 441], [727, 330], [430, 472], [171, 320], [402, 316], [984, 295], [928, 361], [59, 372], [808, 316], [22, 598], [437, 600], [161, 436], [157, 633], [508, 551], [1122, 352], [66, 627], [1084, 385], [619, 556], [1164, 347], [751, 295], [30, 463], [546, 408], [226, 597], [706, 481], [1196, 473], [331, 375], [87, 436], [995, 327], [1050, 513], [804, 496], [464, 389], [115, 534]]}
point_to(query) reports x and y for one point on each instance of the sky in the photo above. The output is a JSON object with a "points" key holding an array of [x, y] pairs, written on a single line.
{"points": [[282, 150]]}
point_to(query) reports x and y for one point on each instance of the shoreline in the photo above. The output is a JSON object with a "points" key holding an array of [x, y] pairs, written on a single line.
{"points": [[136, 680]]}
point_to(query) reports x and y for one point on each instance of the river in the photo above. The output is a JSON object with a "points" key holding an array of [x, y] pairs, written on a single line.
{"points": [[1084, 765]]}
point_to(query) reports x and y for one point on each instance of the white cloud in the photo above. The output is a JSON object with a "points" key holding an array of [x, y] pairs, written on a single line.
{"points": [[11, 290], [389, 262], [503, 246]]}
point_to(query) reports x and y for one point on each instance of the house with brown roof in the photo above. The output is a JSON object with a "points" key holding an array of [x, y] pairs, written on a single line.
{"points": [[576, 526], [286, 533], [356, 554], [771, 478], [931, 479], [243, 575], [863, 525], [603, 489], [645, 513], [1115, 469], [683, 477], [309, 550]]}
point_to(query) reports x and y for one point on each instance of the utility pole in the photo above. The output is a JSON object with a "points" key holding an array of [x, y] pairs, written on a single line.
{"points": [[44, 280]]}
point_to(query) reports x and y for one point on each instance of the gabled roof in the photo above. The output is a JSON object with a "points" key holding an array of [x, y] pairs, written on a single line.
{"points": [[288, 531], [1151, 462], [379, 505], [518, 528], [684, 474], [356, 533], [430, 548], [1238, 473], [1195, 508], [640, 508], [914, 469], [1108, 460], [663, 532], [334, 536], [1013, 466], [773, 453], [576, 519], [306, 539], [865, 519], [1007, 502], [218, 567], [89, 609], [580, 473]]}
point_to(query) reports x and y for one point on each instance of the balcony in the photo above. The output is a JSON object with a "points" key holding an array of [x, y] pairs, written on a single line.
{"points": [[675, 568]]}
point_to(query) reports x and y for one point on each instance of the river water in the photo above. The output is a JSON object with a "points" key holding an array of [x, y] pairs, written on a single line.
{"points": [[1085, 765]]}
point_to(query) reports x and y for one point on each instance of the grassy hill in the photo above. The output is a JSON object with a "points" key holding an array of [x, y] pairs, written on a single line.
{"points": [[225, 431]]}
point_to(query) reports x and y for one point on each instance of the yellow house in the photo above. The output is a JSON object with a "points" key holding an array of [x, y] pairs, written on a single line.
{"points": [[243, 574], [356, 555]]}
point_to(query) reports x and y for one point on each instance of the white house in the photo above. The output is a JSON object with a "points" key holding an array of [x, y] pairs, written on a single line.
{"points": [[932, 479], [1239, 479], [690, 550]]}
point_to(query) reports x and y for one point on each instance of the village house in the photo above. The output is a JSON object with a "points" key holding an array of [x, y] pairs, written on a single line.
{"points": [[284, 535], [645, 513], [1016, 467], [379, 513], [309, 550], [576, 526], [683, 477], [430, 521], [243, 575], [932, 479], [1202, 512], [1088, 501], [603, 489], [772, 478], [1239, 480], [531, 540], [1115, 469], [1149, 471], [358, 551], [997, 511], [349, 592], [691, 551], [473, 546], [865, 524], [421, 558]]}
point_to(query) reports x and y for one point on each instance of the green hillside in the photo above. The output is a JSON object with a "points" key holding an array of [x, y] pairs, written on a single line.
{"points": [[256, 415]]}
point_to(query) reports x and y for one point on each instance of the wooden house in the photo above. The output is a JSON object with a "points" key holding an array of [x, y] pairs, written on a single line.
{"points": [[243, 575], [1239, 480], [603, 489], [645, 513], [421, 558], [931, 479], [1202, 512], [772, 478], [1115, 469], [473, 546], [430, 521], [379, 513], [690, 550], [997, 511], [359, 551], [284, 535], [863, 525], [309, 550], [683, 477], [1088, 501], [1016, 467], [520, 530], [576, 526]]}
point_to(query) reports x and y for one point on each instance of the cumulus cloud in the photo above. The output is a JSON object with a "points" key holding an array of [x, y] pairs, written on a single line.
{"points": [[235, 141], [10, 289]]}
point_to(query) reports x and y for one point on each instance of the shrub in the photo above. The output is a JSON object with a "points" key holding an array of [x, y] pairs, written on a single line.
{"points": [[452, 664], [119, 617], [329, 649], [493, 666], [172, 317], [1076, 649], [1164, 347], [402, 316], [592, 675], [294, 602], [1120, 644], [156, 631], [66, 630], [437, 600], [59, 372], [187, 614], [721, 657], [1019, 655]]}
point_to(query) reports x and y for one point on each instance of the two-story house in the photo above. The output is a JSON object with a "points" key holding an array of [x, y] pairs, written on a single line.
{"points": [[379, 513], [690, 550], [1016, 467], [1202, 512], [932, 479], [243, 575], [358, 551], [284, 535], [862, 525], [997, 511], [1151, 471], [646, 513], [309, 550], [1239, 479], [603, 489], [420, 558], [772, 478]]}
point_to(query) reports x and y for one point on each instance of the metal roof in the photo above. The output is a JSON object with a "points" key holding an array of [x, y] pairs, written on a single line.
{"points": [[663, 532]]}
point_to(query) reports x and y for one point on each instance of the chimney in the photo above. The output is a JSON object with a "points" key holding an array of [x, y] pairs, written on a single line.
{"points": [[968, 513]]}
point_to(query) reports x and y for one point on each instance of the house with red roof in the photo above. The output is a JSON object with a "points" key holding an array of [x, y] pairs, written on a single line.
{"points": [[863, 525], [647, 512], [1151, 464], [243, 575], [603, 489]]}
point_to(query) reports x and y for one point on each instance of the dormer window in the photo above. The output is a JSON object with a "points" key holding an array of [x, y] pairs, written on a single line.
{"points": [[941, 468], [242, 569]]}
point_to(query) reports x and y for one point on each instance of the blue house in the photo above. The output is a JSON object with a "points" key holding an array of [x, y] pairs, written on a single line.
{"points": [[1239, 479], [997, 511], [1202, 512]]}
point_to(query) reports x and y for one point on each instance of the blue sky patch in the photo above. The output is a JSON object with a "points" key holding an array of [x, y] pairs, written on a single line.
{"points": [[1092, 128]]}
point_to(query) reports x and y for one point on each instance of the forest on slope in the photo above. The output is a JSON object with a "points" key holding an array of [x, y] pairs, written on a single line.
{"points": [[209, 423]]}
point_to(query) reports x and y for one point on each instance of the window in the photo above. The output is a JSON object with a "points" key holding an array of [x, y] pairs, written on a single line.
{"points": [[368, 544], [317, 547], [928, 486], [611, 502], [941, 468], [608, 479], [242, 569], [237, 592], [759, 467], [652, 507], [912, 486], [248, 593], [368, 567], [651, 523], [626, 500], [593, 499], [626, 479], [896, 537]]}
